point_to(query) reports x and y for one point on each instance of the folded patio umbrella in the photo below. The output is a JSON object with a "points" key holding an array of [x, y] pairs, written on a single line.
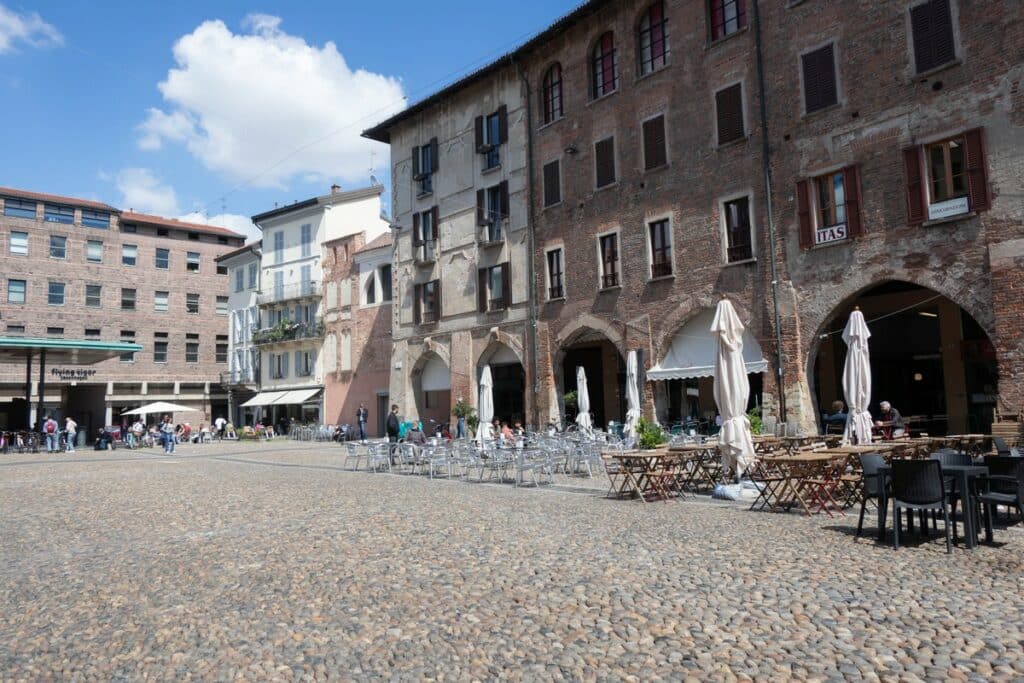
{"points": [[732, 389], [857, 379], [485, 407], [632, 397], [583, 401]]}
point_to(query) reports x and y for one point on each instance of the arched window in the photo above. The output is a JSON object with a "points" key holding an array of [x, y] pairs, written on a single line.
{"points": [[653, 38], [371, 290], [551, 93], [604, 70]]}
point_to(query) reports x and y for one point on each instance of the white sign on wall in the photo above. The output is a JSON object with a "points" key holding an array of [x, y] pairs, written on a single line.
{"points": [[834, 233], [950, 207]]}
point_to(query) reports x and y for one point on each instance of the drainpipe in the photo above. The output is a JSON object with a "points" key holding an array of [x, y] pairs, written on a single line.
{"points": [[767, 172], [531, 325]]}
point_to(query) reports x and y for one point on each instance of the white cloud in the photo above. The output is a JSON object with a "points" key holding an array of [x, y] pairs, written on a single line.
{"points": [[268, 103], [142, 191], [231, 221], [28, 28]]}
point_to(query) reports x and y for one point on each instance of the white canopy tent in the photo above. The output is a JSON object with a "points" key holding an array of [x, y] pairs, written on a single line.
{"points": [[694, 350]]}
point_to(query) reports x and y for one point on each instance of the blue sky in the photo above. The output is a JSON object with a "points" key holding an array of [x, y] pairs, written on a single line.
{"points": [[256, 105]]}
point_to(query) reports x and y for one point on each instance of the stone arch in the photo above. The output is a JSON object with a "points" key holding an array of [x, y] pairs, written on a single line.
{"points": [[428, 348], [589, 323], [496, 339], [679, 317]]}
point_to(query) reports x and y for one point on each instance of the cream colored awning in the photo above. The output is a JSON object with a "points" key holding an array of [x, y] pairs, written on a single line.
{"points": [[693, 351], [296, 397], [264, 398]]}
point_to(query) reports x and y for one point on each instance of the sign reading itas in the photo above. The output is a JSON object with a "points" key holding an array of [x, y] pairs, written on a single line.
{"points": [[72, 373]]}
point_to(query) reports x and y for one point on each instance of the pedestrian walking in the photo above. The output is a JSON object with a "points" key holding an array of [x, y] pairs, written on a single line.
{"points": [[392, 424], [70, 430], [362, 414], [167, 432], [52, 437], [220, 424]]}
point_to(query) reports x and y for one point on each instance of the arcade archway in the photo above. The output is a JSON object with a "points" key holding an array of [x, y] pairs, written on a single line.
{"points": [[432, 389], [606, 374], [509, 382]]}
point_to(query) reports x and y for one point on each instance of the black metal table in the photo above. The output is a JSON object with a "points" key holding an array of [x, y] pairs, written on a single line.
{"points": [[962, 473]]}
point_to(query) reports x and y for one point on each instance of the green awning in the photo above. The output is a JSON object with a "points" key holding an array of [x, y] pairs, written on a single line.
{"points": [[69, 351]]}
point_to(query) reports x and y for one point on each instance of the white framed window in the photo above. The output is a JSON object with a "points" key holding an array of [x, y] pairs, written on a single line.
{"points": [[94, 251], [192, 261], [129, 254], [58, 246], [222, 305], [54, 293], [162, 258], [19, 243], [161, 301]]}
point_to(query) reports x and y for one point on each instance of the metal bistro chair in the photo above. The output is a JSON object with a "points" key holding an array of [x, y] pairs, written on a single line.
{"points": [[918, 485], [353, 453], [1003, 485]]}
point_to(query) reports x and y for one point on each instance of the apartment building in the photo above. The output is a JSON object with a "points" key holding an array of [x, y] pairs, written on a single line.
{"points": [[80, 269], [291, 325], [462, 250], [242, 377]]}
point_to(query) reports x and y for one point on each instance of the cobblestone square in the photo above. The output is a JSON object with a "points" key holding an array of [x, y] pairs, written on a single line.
{"points": [[270, 562]]}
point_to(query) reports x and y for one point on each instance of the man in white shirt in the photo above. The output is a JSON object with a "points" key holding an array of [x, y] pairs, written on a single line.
{"points": [[220, 423]]}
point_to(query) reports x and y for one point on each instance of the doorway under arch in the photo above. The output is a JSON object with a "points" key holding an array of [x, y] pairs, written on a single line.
{"points": [[929, 358], [606, 375], [432, 389], [508, 382]]}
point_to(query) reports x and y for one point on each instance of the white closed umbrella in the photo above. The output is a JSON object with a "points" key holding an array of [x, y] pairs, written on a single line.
{"points": [[857, 379], [632, 396], [732, 389], [583, 401], [485, 407]]}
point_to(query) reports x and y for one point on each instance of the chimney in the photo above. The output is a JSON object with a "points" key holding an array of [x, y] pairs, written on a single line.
{"points": [[335, 189]]}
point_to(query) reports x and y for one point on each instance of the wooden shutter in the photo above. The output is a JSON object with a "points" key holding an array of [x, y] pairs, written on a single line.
{"points": [[435, 230], [654, 143], [481, 290], [417, 298], [932, 26], [502, 124], [433, 155], [851, 187], [478, 127], [415, 163], [481, 207], [552, 184], [729, 111], [417, 236], [604, 161], [437, 299], [803, 209], [915, 186], [977, 170], [819, 79], [506, 286], [503, 196]]}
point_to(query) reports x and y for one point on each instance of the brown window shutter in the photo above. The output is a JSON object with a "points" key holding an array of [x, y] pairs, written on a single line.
{"points": [[435, 229], [433, 155], [437, 299], [604, 161], [931, 24], [819, 79], [481, 290], [502, 124], [415, 163], [915, 186], [654, 143], [729, 111], [803, 209], [552, 184], [851, 187], [506, 286], [417, 298], [481, 207], [977, 170], [503, 193], [417, 237], [478, 126]]}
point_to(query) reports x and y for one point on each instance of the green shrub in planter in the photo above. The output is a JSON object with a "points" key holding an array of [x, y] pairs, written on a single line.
{"points": [[649, 434]]}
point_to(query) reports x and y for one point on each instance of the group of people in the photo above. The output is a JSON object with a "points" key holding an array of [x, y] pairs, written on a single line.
{"points": [[134, 435], [890, 422], [412, 430]]}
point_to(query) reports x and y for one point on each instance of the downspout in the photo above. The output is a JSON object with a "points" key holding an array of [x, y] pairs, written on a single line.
{"points": [[767, 172], [531, 291]]}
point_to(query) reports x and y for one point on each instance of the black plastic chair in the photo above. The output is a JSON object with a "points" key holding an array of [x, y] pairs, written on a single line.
{"points": [[949, 457], [918, 485], [1004, 485], [1001, 447], [871, 487]]}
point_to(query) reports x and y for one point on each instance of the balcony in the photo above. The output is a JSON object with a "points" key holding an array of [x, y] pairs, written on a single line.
{"points": [[286, 331], [492, 232], [240, 378], [294, 291]]}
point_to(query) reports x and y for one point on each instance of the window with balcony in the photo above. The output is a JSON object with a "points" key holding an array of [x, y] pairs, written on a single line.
{"points": [[427, 302], [19, 244], [739, 242], [556, 283], [653, 38], [493, 288], [491, 132], [492, 212], [58, 247], [660, 234], [191, 303], [192, 261], [425, 234], [93, 296], [608, 246], [424, 166]]}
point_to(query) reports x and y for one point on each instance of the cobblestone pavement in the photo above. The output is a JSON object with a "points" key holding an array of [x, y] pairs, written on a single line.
{"points": [[268, 561]]}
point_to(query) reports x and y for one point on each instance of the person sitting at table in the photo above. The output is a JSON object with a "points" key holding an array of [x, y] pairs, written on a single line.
{"points": [[891, 421], [506, 433], [837, 418], [415, 434]]}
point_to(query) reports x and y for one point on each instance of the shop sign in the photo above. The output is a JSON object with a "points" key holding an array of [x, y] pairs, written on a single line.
{"points": [[73, 374], [952, 207], [835, 233]]}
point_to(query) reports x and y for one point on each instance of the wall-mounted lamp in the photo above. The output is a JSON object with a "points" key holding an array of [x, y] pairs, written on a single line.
{"points": [[571, 149]]}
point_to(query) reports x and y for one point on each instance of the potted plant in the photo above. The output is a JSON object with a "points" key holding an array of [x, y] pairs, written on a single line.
{"points": [[571, 401], [756, 424], [649, 435]]}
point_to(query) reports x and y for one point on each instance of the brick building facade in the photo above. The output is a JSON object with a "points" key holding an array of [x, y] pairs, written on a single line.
{"points": [[84, 270]]}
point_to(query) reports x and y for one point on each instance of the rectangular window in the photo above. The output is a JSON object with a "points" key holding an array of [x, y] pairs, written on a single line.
{"points": [[661, 248], [306, 284], [58, 246], [222, 305], [556, 284], [55, 294], [55, 331], [385, 282], [727, 17], [831, 198], [278, 285], [161, 301], [93, 296], [819, 79], [947, 170], [15, 329], [424, 165], [239, 279], [424, 235], [490, 132], [163, 258], [953, 179], [191, 348], [307, 239], [932, 26], [128, 337], [191, 303], [604, 161], [55, 213], [222, 269], [829, 207], [552, 183], [427, 302], [127, 299], [19, 243], [131, 228], [655, 152], [739, 241], [609, 245], [493, 288], [303, 363], [221, 349], [159, 347], [496, 211], [93, 333], [194, 236], [19, 208], [279, 246], [129, 254], [94, 251], [160, 232], [653, 39], [192, 261], [253, 269], [15, 291], [729, 112], [96, 219]]}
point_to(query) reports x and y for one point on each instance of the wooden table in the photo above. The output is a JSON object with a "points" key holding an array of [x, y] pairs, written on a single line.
{"points": [[701, 464], [786, 480], [645, 474]]}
